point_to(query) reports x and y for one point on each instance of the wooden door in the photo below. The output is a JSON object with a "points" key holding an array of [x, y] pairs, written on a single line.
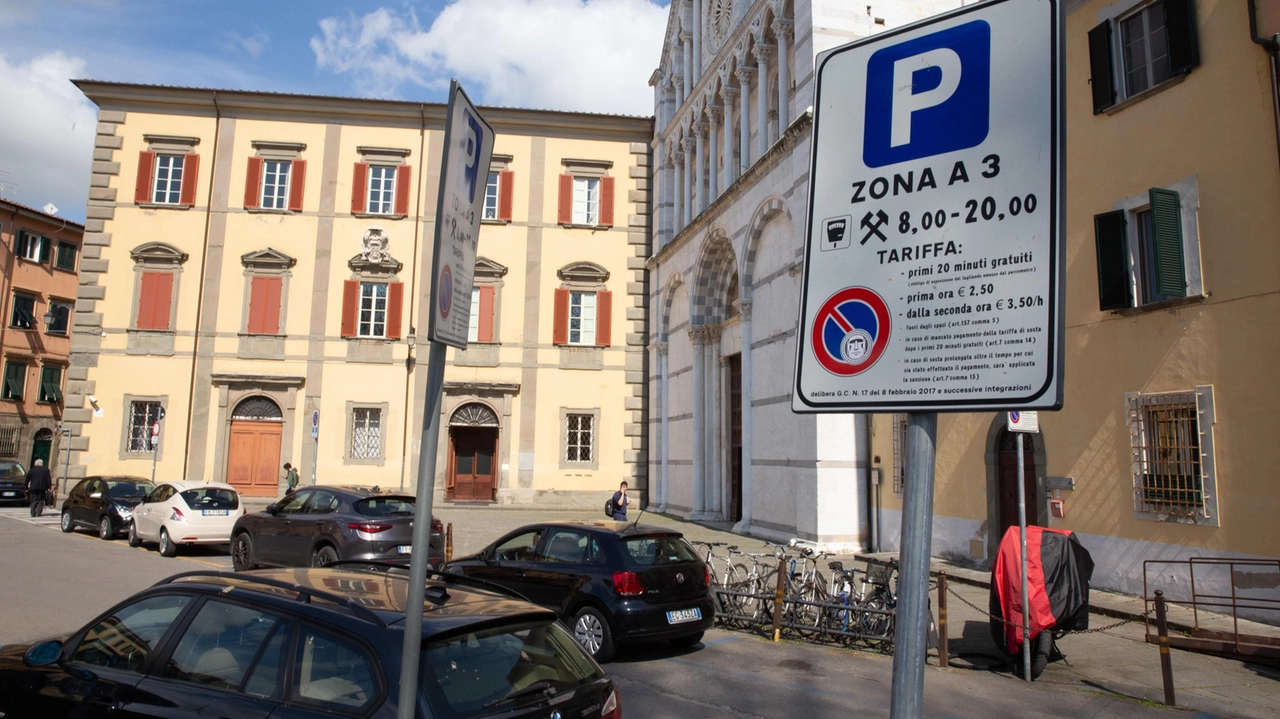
{"points": [[734, 366], [1008, 469], [472, 474], [253, 459]]}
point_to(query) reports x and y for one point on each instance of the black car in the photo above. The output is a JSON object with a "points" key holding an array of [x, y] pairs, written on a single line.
{"points": [[611, 582], [317, 526], [307, 644], [104, 503], [13, 479]]}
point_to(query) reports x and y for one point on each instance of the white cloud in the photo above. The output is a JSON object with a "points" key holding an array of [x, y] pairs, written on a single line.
{"points": [[46, 133], [252, 45], [592, 55]]}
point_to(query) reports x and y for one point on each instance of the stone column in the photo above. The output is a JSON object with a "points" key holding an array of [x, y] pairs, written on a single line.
{"points": [[744, 311], [697, 40], [781, 29], [677, 188], [664, 384], [715, 426], [713, 148], [697, 336], [744, 118], [688, 144], [763, 53], [700, 177], [687, 41], [677, 85], [729, 95]]}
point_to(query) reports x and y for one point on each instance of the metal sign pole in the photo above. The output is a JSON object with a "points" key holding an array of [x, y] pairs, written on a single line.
{"points": [[155, 446], [1022, 536], [911, 617]]}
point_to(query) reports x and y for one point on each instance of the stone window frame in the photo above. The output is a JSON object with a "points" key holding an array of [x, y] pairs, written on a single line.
{"points": [[23, 361], [70, 304], [587, 168], [154, 257], [62, 368], [57, 254], [1201, 400], [374, 349], [583, 276], [272, 151], [381, 459], [127, 419], [488, 273], [594, 464], [1188, 189], [387, 157], [498, 163], [167, 145], [268, 262], [13, 308]]}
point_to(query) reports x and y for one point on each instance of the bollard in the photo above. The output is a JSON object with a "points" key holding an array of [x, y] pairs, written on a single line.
{"points": [[448, 543], [779, 593], [942, 620], [1166, 662]]}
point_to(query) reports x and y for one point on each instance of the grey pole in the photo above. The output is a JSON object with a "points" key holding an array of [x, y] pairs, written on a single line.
{"points": [[1022, 537], [155, 447], [911, 618], [315, 457], [407, 703]]}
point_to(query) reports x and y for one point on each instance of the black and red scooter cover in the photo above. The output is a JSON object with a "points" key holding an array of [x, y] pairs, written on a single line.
{"points": [[1058, 572]]}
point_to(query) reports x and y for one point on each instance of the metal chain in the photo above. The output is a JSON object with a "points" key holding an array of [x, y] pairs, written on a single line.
{"points": [[1120, 623]]}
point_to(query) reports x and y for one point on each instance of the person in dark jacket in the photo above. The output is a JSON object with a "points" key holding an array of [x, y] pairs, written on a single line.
{"points": [[620, 503], [37, 483]]}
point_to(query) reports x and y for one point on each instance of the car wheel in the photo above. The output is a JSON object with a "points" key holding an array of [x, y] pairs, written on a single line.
{"points": [[324, 556], [105, 528], [167, 547], [67, 525], [242, 552], [688, 640], [134, 539], [592, 631]]}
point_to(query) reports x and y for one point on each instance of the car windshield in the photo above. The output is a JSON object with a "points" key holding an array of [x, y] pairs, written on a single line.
{"points": [[12, 469], [385, 506], [499, 669], [128, 489], [211, 498], [644, 552]]}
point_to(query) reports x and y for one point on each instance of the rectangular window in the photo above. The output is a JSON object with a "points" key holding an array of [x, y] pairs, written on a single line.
{"points": [[473, 324], [1165, 438], [167, 187], [366, 433], [491, 198], [1145, 43], [586, 200], [275, 184], [154, 300], [15, 380], [577, 441], [373, 310], [1131, 53], [61, 318], [582, 318], [141, 416], [67, 256], [382, 189], [264, 305], [23, 314], [32, 247], [50, 384]]}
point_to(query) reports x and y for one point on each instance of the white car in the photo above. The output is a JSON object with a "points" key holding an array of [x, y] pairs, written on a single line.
{"points": [[176, 513]]}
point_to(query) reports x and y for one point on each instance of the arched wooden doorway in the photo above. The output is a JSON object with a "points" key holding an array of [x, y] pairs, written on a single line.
{"points": [[41, 446], [1007, 469], [253, 458], [473, 448]]}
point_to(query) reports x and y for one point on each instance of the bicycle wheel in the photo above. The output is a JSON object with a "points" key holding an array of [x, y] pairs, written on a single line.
{"points": [[876, 627], [732, 604], [763, 588]]}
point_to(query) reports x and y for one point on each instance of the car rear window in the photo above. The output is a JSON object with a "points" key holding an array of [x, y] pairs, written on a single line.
{"points": [[489, 671], [385, 506], [211, 498], [641, 552]]}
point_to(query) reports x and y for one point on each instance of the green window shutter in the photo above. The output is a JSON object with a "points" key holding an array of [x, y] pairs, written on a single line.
{"points": [[13, 380], [20, 247], [50, 381], [1184, 45], [1100, 73], [1114, 285], [45, 247], [1166, 243]]}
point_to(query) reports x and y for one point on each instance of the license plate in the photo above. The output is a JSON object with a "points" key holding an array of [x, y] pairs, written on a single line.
{"points": [[8, 494], [214, 512], [681, 616], [405, 549]]}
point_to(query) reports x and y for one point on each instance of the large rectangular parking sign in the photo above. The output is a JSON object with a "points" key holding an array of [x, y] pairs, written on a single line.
{"points": [[933, 276]]}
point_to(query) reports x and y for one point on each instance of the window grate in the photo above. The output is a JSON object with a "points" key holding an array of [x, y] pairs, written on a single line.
{"points": [[10, 432], [366, 433], [899, 452], [578, 438], [141, 417], [1165, 438]]}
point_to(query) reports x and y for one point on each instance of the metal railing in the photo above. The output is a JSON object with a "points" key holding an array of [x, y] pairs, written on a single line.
{"points": [[1218, 588]]}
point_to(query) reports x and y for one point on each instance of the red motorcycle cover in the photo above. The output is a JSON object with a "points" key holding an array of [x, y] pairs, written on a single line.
{"points": [[1058, 572]]}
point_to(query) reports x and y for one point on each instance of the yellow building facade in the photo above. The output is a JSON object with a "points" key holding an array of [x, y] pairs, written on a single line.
{"points": [[1164, 448], [259, 263]]}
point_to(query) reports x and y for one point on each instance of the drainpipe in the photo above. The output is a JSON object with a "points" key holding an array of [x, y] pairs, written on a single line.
{"points": [[1272, 47], [873, 504], [413, 295]]}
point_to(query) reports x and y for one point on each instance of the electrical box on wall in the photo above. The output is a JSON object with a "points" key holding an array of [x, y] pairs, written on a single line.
{"points": [[1058, 508]]}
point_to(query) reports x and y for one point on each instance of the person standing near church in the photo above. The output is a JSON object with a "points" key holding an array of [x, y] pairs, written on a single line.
{"points": [[37, 484], [620, 503], [290, 478]]}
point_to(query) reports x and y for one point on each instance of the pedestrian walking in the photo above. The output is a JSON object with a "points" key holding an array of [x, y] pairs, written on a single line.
{"points": [[620, 503], [37, 484], [290, 478]]}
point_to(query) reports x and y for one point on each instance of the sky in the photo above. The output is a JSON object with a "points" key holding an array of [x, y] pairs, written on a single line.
{"points": [[590, 55]]}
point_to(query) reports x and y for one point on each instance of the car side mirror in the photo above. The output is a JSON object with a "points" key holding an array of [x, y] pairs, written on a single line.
{"points": [[43, 654], [490, 557], [273, 508], [96, 495]]}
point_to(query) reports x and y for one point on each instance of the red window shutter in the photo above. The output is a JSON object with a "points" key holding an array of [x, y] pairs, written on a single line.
{"points": [[604, 318], [350, 307], [560, 325], [146, 300], [264, 305], [253, 184], [506, 194], [297, 184], [404, 176], [142, 190], [484, 333], [360, 188], [190, 178], [395, 303], [153, 301], [566, 200], [606, 201]]}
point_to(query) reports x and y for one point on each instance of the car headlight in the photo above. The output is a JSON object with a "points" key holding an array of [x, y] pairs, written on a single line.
{"points": [[125, 513]]}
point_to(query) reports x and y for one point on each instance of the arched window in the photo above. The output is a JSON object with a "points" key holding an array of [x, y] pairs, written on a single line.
{"points": [[474, 415], [259, 409]]}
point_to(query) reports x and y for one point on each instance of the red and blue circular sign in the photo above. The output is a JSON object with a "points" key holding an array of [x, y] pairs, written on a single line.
{"points": [[851, 331], [445, 299]]}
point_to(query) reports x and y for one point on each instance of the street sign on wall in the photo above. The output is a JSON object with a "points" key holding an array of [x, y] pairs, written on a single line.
{"points": [[1024, 422], [468, 147], [933, 276]]}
